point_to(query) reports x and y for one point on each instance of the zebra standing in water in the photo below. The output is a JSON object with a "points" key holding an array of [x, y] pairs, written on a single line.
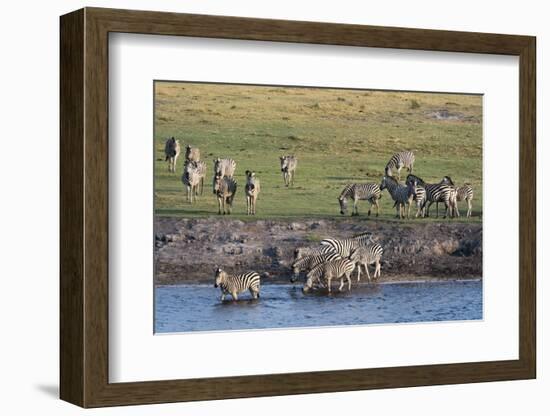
{"points": [[325, 272], [461, 193], [251, 190], [192, 178], [307, 263], [224, 167], [192, 153], [235, 284], [435, 192], [171, 152], [344, 247], [398, 161], [360, 191], [224, 189], [402, 195], [288, 167], [363, 256]]}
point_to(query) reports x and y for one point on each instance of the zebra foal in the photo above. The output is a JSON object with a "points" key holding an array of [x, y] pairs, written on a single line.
{"points": [[399, 161], [235, 284], [325, 272], [360, 191], [307, 263], [251, 190], [364, 256]]}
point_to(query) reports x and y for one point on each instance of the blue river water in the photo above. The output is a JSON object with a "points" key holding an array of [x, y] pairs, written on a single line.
{"points": [[184, 308]]}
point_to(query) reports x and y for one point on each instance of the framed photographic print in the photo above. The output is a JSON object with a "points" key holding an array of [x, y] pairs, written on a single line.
{"points": [[255, 207]]}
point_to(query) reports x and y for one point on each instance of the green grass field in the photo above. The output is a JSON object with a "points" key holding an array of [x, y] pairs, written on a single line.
{"points": [[339, 137]]}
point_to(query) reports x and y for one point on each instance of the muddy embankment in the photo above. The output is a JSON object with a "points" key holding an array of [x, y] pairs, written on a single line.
{"points": [[189, 250]]}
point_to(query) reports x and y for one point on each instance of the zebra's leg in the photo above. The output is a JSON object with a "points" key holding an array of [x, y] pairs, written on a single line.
{"points": [[377, 270], [247, 205], [358, 271], [355, 211], [367, 269], [234, 295], [436, 209], [220, 199], [469, 213], [254, 292], [341, 284], [348, 277], [222, 297], [328, 280], [377, 207]]}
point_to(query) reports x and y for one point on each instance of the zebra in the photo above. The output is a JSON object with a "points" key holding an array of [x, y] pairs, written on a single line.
{"points": [[403, 195], [224, 189], [461, 193], [192, 153], [435, 192], [301, 252], [171, 152], [252, 190], [360, 191], [224, 167], [193, 176], [363, 256], [288, 167], [325, 272], [398, 161], [235, 284], [344, 247], [307, 263]]}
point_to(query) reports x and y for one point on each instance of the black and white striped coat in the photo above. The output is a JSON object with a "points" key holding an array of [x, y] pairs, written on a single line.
{"points": [[460, 193], [435, 192], [403, 195], [324, 274], [359, 191], [345, 246], [363, 256], [251, 190], [171, 152], [399, 161], [235, 284], [307, 263], [224, 167], [301, 252], [193, 178], [224, 189], [289, 164]]}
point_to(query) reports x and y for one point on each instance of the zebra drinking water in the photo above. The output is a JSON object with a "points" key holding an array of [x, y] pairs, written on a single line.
{"points": [[288, 167], [363, 256], [345, 246], [171, 152], [325, 272], [399, 161], [251, 190], [224, 189], [224, 167], [402, 195], [307, 263], [235, 284], [360, 191]]}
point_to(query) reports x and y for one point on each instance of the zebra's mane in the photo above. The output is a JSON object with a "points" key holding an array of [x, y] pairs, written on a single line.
{"points": [[346, 191], [419, 180], [392, 179]]}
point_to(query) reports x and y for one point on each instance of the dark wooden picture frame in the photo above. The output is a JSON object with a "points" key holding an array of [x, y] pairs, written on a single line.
{"points": [[84, 207]]}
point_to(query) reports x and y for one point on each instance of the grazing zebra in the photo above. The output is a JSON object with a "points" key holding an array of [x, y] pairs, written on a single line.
{"points": [[325, 272], [435, 192], [398, 161], [234, 284], [192, 153], [224, 167], [171, 151], [224, 189], [193, 175], [462, 193], [305, 264], [363, 256], [251, 190], [360, 191], [344, 247], [288, 167], [403, 195]]}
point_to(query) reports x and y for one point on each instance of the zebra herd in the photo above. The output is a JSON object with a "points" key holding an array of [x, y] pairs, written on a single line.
{"points": [[333, 259], [414, 191], [224, 185]]}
